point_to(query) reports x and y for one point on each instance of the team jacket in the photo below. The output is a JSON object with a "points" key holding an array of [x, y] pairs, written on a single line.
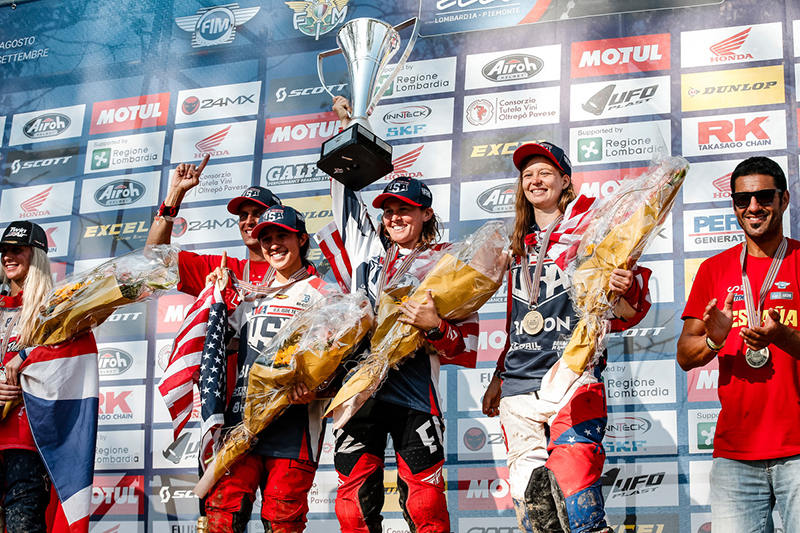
{"points": [[15, 432], [415, 384], [526, 358], [298, 432]]}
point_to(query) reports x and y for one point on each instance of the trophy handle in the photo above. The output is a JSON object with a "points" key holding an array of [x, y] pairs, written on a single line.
{"points": [[320, 73], [400, 64]]}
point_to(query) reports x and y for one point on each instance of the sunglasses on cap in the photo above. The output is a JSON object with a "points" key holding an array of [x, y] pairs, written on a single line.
{"points": [[764, 197]]}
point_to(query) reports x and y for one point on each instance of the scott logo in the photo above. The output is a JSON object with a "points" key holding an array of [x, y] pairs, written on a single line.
{"points": [[213, 26], [49, 125], [499, 199], [512, 67], [114, 362], [119, 192]]}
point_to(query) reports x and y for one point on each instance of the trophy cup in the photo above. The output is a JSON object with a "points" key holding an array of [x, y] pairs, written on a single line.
{"points": [[356, 156]]}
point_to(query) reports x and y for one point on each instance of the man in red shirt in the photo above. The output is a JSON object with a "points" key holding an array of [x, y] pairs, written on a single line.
{"points": [[194, 267], [743, 309]]}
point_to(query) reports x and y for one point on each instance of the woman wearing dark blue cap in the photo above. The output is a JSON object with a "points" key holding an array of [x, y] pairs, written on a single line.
{"points": [[407, 406], [553, 434]]}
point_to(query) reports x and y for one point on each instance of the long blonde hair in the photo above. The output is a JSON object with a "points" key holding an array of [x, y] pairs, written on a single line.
{"points": [[37, 284], [524, 213]]}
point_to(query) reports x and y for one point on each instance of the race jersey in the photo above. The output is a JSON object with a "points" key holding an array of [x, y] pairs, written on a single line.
{"points": [[526, 358], [15, 432], [760, 406], [193, 269], [298, 432], [415, 383]]}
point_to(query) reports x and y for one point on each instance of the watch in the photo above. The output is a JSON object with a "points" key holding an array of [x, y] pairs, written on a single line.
{"points": [[434, 334]]}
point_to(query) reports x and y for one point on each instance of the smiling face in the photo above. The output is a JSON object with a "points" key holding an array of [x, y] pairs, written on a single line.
{"points": [[542, 183], [761, 222], [281, 248], [249, 214], [404, 222], [16, 262]]}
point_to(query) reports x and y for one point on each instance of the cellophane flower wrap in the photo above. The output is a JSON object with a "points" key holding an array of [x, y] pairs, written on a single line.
{"points": [[84, 300], [308, 349], [463, 278], [621, 226]]}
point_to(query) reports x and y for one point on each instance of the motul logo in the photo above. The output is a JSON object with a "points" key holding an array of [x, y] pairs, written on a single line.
{"points": [[615, 56], [725, 50], [128, 114], [299, 132], [30, 207], [115, 495], [620, 56], [488, 488]]}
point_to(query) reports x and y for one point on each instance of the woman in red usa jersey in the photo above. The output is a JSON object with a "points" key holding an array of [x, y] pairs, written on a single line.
{"points": [[555, 483], [285, 457], [407, 406]]}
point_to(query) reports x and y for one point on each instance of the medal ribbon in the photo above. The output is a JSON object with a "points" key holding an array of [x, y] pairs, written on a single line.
{"points": [[393, 253], [772, 273], [532, 285], [249, 291]]}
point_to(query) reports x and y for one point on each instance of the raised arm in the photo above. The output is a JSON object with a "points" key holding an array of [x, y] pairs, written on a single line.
{"points": [[694, 348], [184, 178]]}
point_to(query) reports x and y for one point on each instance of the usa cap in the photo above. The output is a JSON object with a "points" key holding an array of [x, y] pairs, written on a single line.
{"points": [[544, 149], [281, 215], [25, 233], [409, 190], [256, 194]]}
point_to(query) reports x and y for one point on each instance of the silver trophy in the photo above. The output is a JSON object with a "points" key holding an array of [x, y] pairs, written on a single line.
{"points": [[356, 156]]}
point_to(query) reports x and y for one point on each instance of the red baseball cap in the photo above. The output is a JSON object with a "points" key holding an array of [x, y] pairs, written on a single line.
{"points": [[544, 149], [256, 194]]}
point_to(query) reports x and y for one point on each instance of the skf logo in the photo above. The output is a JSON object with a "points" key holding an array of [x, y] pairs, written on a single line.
{"points": [[30, 207], [210, 143], [617, 56], [299, 132], [48, 125], [723, 186], [725, 50], [480, 112], [130, 113], [213, 26], [608, 99], [317, 17], [114, 362], [119, 192], [498, 199], [512, 67]]}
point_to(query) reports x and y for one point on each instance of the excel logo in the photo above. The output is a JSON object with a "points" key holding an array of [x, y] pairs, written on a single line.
{"points": [[705, 435], [101, 158], [590, 149]]}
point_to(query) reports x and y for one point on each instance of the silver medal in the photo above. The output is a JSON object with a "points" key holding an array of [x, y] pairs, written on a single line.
{"points": [[757, 358]]}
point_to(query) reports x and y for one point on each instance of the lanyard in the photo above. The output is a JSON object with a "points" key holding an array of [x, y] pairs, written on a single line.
{"points": [[753, 312], [249, 292], [532, 285]]}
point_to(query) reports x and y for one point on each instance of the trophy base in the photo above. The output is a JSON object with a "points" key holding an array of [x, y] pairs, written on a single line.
{"points": [[356, 157]]}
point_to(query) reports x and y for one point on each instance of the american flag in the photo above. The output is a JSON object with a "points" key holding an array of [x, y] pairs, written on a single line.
{"points": [[198, 356]]}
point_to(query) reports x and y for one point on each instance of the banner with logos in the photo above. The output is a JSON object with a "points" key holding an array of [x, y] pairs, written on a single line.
{"points": [[102, 100]]}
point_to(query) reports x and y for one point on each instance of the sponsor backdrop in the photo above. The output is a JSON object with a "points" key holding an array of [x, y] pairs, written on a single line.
{"points": [[101, 100]]}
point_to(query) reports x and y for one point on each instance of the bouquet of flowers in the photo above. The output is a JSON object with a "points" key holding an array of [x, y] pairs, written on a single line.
{"points": [[619, 227], [308, 349], [85, 300], [463, 279]]}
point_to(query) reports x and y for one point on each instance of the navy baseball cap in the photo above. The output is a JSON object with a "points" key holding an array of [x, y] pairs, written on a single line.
{"points": [[544, 149], [256, 194], [281, 215], [25, 233], [409, 190]]}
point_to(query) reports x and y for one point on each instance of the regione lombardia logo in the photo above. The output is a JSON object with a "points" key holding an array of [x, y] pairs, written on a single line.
{"points": [[212, 26]]}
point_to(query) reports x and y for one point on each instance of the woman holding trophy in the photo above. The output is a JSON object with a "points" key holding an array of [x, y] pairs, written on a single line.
{"points": [[407, 405], [554, 440]]}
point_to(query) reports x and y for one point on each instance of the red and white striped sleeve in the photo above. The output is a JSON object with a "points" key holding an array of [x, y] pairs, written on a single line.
{"points": [[459, 346]]}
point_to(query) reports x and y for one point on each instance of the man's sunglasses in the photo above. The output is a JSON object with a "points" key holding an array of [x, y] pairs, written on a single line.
{"points": [[764, 197]]}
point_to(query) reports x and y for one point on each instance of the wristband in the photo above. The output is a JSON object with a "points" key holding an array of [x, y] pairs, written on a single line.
{"points": [[498, 374], [713, 346], [168, 212]]}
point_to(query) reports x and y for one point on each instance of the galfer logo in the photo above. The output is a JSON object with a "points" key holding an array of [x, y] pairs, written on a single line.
{"points": [[119, 192], [407, 115], [607, 99], [512, 67], [32, 204], [213, 26], [725, 50], [480, 112], [498, 199], [208, 145], [114, 362], [475, 439], [48, 125], [317, 17]]}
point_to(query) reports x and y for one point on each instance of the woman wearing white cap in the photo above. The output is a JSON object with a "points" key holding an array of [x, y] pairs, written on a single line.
{"points": [[555, 481]]}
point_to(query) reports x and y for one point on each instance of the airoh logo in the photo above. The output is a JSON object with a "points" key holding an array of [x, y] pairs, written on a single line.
{"points": [[725, 50], [119, 192], [47, 125], [498, 199], [213, 26], [114, 362], [30, 207], [407, 115], [512, 67]]}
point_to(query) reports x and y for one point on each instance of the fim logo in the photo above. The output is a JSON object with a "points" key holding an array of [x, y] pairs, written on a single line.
{"points": [[705, 435], [101, 158], [317, 17], [213, 26], [589, 149]]}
